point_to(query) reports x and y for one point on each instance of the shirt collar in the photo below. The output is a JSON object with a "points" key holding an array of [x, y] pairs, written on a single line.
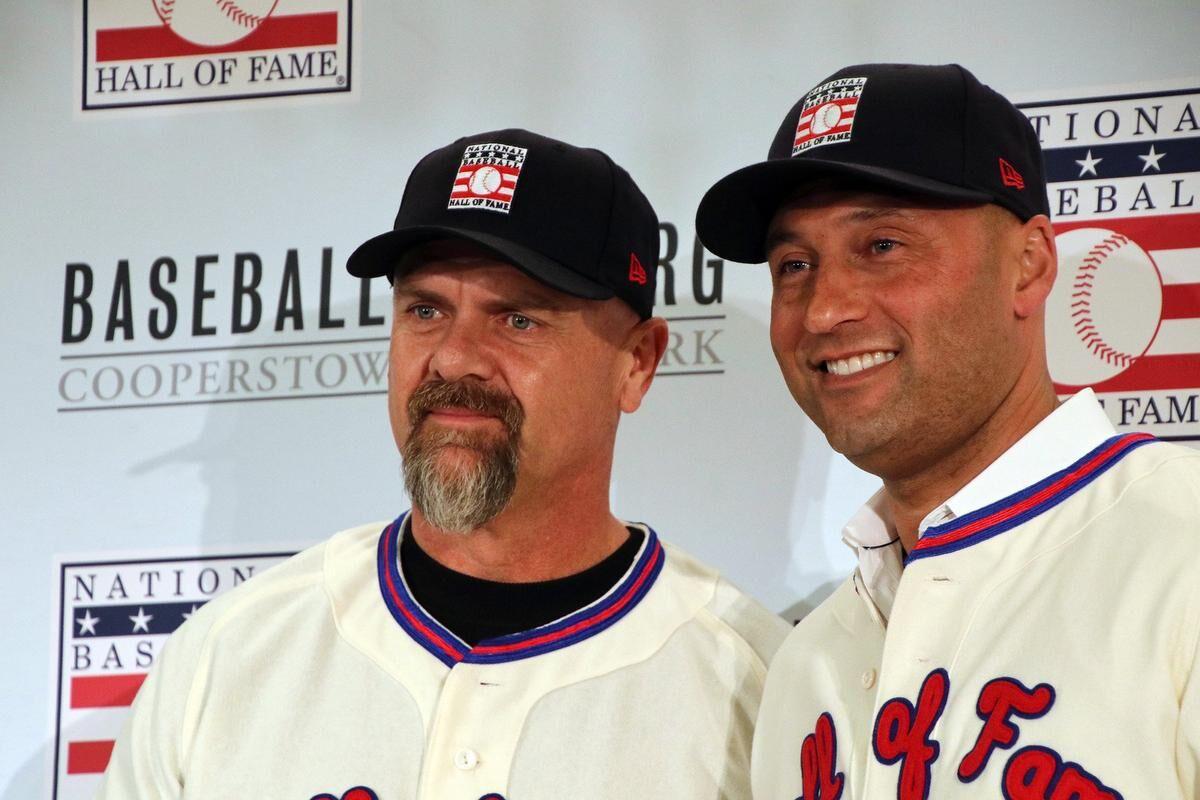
{"points": [[1074, 428], [872, 536], [1071, 430]]}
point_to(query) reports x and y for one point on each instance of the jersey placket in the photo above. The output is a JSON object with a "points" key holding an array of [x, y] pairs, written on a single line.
{"points": [[924, 632], [477, 722]]}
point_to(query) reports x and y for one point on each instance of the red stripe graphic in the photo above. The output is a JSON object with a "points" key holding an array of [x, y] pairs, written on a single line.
{"points": [[1181, 301], [105, 691], [88, 758], [1077, 474], [275, 33], [1149, 373], [1164, 232]]}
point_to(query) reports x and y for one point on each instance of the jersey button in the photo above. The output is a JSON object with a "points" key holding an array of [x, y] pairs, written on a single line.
{"points": [[466, 759], [868, 679]]}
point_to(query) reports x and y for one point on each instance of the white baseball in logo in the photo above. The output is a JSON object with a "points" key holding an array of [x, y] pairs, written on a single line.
{"points": [[825, 118], [485, 181], [1105, 307], [212, 23]]}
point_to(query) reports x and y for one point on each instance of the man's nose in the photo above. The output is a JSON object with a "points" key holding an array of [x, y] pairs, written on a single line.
{"points": [[462, 351], [837, 294]]}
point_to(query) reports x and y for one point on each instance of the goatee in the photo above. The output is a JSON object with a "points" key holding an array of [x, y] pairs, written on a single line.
{"points": [[463, 495]]}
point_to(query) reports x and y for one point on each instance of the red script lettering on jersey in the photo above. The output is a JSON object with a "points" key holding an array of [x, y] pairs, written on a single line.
{"points": [[818, 762], [902, 735], [1000, 699], [1039, 773]]}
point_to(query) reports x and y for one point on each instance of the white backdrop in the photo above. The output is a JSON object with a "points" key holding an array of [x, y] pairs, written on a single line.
{"points": [[719, 461]]}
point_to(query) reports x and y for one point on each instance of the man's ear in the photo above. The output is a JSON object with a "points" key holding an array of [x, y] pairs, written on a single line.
{"points": [[645, 344], [1037, 266]]}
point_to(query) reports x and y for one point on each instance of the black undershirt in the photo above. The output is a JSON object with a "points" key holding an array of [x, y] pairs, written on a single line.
{"points": [[474, 609]]}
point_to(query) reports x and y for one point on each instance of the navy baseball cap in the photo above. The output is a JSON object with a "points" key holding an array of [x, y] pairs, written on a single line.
{"points": [[932, 131], [565, 215]]}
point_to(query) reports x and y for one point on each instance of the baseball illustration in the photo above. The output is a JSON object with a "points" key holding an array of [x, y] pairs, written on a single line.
{"points": [[825, 118], [212, 23], [485, 181], [1105, 308]]}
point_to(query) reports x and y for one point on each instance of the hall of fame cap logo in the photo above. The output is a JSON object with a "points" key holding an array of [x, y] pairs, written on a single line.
{"points": [[828, 114], [166, 52], [487, 177], [114, 617], [1124, 315]]}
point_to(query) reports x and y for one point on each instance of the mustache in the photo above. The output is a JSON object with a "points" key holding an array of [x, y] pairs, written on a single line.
{"points": [[468, 395]]}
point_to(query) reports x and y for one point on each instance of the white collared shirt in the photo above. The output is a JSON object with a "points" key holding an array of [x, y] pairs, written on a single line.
{"points": [[1071, 430]]}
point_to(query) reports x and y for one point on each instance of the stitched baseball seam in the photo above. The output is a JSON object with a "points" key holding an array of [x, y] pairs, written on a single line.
{"points": [[164, 9], [1085, 277], [239, 15]]}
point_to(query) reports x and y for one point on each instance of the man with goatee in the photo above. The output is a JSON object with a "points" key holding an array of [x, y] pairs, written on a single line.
{"points": [[508, 637]]}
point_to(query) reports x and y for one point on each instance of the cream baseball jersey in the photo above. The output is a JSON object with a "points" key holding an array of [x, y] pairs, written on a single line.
{"points": [[323, 679], [1043, 647]]}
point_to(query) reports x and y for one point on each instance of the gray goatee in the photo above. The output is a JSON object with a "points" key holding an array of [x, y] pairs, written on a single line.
{"points": [[461, 497]]}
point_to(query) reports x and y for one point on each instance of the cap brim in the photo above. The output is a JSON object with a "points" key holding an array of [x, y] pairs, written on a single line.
{"points": [[381, 256], [734, 214]]}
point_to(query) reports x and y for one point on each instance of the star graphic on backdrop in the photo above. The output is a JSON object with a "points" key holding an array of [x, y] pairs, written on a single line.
{"points": [[188, 614], [1152, 158], [141, 621], [87, 623], [1088, 164]]}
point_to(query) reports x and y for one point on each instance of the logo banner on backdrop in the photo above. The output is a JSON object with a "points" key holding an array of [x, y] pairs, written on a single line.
{"points": [[247, 326], [1124, 316], [114, 617], [163, 52]]}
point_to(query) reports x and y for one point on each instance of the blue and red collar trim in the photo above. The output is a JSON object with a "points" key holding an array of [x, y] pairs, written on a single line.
{"points": [[451, 650], [1006, 514]]}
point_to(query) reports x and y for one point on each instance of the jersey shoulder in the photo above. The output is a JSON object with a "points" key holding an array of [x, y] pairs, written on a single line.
{"points": [[1167, 464], [1157, 487], [729, 612], [841, 622], [300, 580]]}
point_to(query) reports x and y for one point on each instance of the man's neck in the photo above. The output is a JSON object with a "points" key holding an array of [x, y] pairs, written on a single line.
{"points": [[912, 497], [533, 539]]}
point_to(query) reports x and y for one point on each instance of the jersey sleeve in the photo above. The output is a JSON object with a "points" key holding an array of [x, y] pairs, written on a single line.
{"points": [[1187, 737], [146, 762]]}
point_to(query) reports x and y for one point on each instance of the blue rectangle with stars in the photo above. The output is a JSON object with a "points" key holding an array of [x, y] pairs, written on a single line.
{"points": [[142, 619]]}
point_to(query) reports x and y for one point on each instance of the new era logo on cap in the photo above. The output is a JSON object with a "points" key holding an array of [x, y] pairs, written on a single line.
{"points": [[487, 177], [1009, 175], [828, 113], [637, 274]]}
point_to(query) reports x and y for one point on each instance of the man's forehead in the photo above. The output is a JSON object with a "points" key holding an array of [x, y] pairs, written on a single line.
{"points": [[442, 268], [860, 203]]}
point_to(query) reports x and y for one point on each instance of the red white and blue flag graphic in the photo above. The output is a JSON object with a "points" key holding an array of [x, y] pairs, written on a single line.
{"points": [[1124, 317], [114, 617]]}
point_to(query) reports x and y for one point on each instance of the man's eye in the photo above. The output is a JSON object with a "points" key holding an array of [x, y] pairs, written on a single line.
{"points": [[884, 245], [793, 265], [423, 312], [520, 322]]}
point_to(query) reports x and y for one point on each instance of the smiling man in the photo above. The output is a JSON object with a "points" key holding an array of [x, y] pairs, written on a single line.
{"points": [[1024, 621], [509, 637]]}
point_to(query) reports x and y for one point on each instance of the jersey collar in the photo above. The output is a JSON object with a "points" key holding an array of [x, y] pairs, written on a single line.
{"points": [[1018, 508], [1077, 426], [573, 628]]}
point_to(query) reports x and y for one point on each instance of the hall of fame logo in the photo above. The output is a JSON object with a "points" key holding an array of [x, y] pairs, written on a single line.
{"points": [[114, 617], [487, 177], [828, 114], [1124, 315], [163, 52]]}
